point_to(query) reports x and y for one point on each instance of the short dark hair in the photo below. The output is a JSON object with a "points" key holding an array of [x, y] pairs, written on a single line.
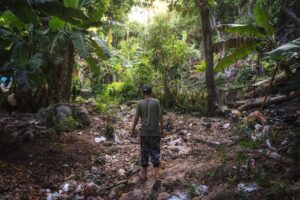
{"points": [[146, 89]]}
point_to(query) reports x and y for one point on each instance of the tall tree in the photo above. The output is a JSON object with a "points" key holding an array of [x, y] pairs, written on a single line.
{"points": [[203, 6]]}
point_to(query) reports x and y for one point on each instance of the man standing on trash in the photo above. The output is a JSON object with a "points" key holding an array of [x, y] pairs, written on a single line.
{"points": [[149, 111]]}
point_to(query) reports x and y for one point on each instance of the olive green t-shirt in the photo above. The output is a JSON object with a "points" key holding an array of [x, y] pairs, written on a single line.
{"points": [[149, 111]]}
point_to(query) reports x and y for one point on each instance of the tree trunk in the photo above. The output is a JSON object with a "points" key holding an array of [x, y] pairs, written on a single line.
{"points": [[167, 93], [208, 53], [62, 76]]}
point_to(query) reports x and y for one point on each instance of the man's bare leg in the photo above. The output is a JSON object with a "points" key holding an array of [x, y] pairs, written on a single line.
{"points": [[157, 182], [144, 173]]}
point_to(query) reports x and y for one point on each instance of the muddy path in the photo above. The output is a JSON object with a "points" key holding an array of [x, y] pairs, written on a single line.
{"points": [[200, 160]]}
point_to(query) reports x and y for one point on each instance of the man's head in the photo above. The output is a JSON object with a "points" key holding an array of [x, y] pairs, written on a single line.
{"points": [[147, 90]]}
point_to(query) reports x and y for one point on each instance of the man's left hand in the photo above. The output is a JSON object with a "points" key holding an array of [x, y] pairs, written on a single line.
{"points": [[133, 132]]}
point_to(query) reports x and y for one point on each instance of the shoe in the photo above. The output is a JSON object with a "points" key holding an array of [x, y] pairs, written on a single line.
{"points": [[156, 185]]}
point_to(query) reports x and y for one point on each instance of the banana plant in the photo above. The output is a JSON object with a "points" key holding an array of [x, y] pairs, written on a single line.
{"points": [[246, 38], [40, 35]]}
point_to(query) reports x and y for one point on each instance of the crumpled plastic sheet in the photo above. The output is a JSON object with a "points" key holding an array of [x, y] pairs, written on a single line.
{"points": [[178, 195], [250, 187]]}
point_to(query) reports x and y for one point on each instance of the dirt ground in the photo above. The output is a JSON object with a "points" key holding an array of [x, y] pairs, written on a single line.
{"points": [[201, 159]]}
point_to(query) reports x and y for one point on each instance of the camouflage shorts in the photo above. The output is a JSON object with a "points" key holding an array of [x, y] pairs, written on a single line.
{"points": [[150, 146]]}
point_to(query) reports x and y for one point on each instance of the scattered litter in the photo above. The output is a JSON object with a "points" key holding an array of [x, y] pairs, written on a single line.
{"points": [[177, 195], [65, 187], [226, 125], [256, 116], [284, 142], [260, 132], [108, 158], [52, 196], [121, 172], [100, 139], [274, 155], [79, 133], [117, 140], [269, 145], [247, 187], [236, 114], [258, 127], [202, 189]]}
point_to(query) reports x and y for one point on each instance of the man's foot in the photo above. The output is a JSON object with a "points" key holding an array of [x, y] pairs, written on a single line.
{"points": [[156, 185], [142, 176]]}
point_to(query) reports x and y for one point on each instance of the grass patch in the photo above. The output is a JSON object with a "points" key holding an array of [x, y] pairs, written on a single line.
{"points": [[248, 143], [240, 158]]}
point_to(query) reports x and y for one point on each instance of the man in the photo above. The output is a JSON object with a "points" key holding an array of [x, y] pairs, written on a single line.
{"points": [[149, 111]]}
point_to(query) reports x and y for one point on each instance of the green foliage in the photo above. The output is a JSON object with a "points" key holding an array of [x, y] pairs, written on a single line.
{"points": [[78, 40], [67, 124], [285, 52], [115, 93], [262, 19], [247, 143], [234, 56], [261, 30], [244, 76], [240, 158]]}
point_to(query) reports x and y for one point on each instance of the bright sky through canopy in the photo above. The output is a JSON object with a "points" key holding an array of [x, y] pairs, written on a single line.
{"points": [[143, 15]]}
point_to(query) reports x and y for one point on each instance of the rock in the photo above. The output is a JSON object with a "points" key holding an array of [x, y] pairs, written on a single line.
{"points": [[121, 172], [63, 112], [136, 194], [163, 196], [63, 117], [82, 115]]}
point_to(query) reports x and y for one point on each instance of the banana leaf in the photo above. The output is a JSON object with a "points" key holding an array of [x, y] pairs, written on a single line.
{"points": [[236, 55]]}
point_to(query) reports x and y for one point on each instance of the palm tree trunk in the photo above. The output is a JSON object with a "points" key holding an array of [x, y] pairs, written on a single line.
{"points": [[62, 76]]}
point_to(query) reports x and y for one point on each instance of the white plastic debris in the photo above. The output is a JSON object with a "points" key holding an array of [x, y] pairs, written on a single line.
{"points": [[284, 142], [52, 196], [258, 127], [65, 187], [202, 189], [117, 140], [250, 187], [226, 125], [98, 140], [266, 130], [177, 195], [269, 145], [275, 155], [260, 132]]}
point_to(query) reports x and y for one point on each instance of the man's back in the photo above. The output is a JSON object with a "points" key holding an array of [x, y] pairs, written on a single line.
{"points": [[149, 111]]}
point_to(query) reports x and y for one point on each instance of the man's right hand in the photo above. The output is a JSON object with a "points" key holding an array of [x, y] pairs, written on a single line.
{"points": [[133, 132]]}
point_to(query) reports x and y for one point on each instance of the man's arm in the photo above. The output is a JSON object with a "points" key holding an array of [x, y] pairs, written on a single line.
{"points": [[136, 119]]}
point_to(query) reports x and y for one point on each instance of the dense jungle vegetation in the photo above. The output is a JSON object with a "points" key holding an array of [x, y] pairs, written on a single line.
{"points": [[50, 50]]}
